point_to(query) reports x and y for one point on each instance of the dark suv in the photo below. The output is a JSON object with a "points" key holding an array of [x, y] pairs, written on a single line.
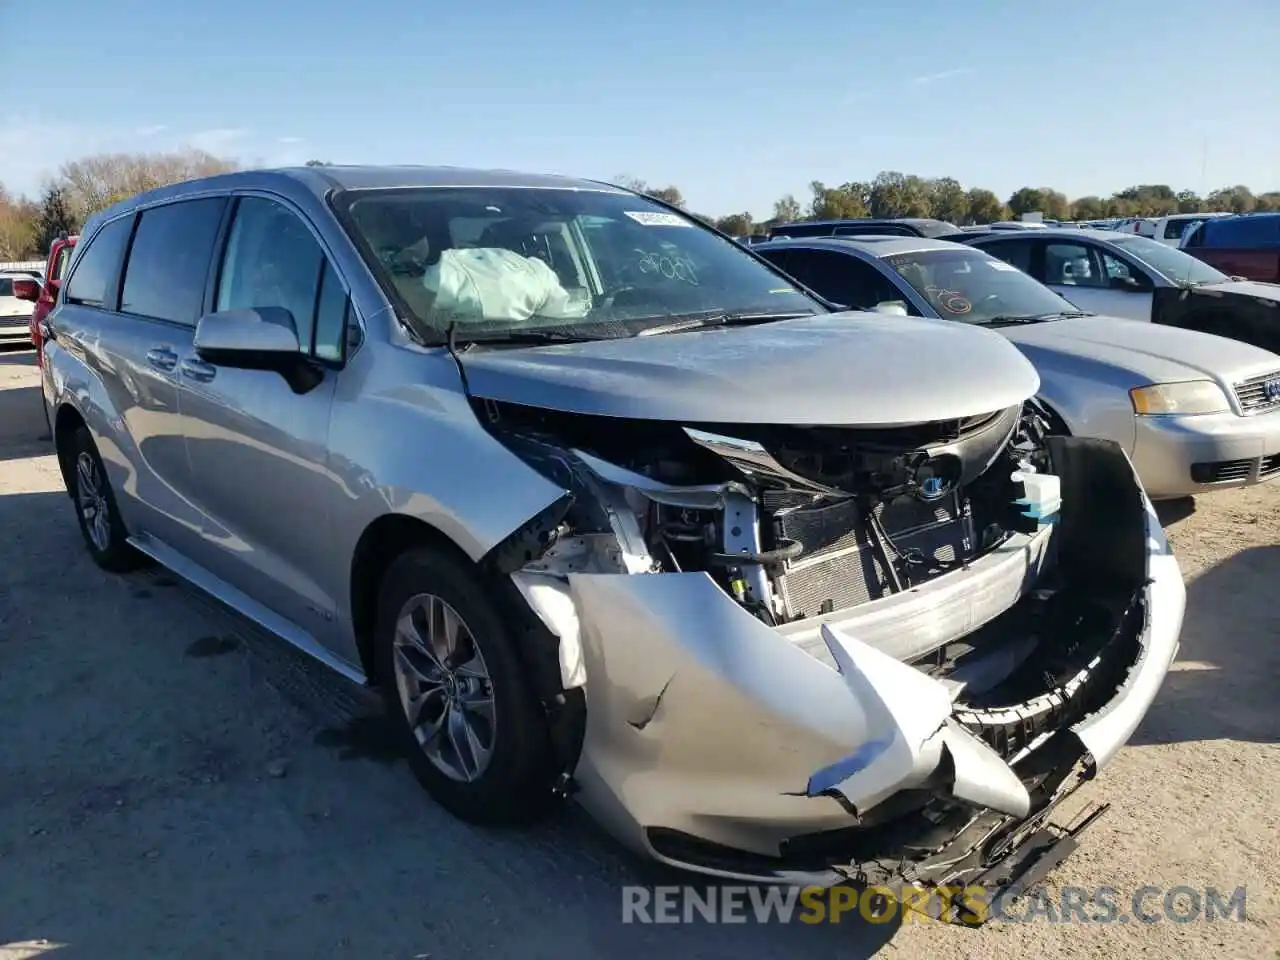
{"points": [[903, 227]]}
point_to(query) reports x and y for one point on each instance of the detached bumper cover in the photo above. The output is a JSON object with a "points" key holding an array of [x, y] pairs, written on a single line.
{"points": [[706, 723]]}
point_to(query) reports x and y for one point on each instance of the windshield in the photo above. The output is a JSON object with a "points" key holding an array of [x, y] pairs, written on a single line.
{"points": [[1170, 261], [495, 262], [974, 287]]}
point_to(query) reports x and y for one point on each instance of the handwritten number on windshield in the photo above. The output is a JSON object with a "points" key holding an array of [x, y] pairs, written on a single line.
{"points": [[669, 266], [952, 301]]}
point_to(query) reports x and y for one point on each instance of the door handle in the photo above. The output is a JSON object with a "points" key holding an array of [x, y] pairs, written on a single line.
{"points": [[194, 369], [162, 358]]}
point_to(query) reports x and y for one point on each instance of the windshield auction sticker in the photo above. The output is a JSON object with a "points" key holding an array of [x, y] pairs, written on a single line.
{"points": [[655, 218]]}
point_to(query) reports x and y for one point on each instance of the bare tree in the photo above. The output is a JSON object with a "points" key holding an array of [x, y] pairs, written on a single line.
{"points": [[97, 181]]}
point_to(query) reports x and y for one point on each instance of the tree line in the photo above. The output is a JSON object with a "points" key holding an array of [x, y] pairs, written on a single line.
{"points": [[82, 187], [892, 194]]}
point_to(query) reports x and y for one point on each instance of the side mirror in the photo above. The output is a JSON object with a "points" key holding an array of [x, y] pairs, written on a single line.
{"points": [[891, 307], [261, 338], [27, 290]]}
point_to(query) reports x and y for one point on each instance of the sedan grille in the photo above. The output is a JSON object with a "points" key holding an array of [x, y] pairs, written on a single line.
{"points": [[1259, 394]]}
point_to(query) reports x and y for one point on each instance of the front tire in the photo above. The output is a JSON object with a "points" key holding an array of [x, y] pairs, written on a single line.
{"points": [[457, 692], [95, 502]]}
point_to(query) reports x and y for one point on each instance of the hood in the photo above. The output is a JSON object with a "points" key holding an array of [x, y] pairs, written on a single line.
{"points": [[1255, 289], [840, 369], [1152, 352]]}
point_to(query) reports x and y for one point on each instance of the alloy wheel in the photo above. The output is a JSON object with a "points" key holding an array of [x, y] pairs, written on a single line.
{"points": [[444, 687], [91, 498]]}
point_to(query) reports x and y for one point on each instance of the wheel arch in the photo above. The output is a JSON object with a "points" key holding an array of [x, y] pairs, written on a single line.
{"points": [[65, 423], [388, 537]]}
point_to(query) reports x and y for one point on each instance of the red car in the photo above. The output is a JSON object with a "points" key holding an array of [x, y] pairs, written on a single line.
{"points": [[45, 294]]}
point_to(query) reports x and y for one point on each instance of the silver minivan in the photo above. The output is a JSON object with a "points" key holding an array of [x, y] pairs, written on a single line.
{"points": [[609, 507]]}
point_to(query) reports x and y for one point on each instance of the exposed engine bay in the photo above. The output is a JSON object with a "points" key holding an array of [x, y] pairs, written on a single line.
{"points": [[792, 522], [796, 524]]}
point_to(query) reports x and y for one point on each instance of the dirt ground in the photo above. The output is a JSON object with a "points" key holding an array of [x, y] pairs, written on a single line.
{"points": [[175, 784]]}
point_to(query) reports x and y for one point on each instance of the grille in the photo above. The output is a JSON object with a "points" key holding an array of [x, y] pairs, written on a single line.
{"points": [[839, 567], [1270, 465], [1252, 393], [1223, 471]]}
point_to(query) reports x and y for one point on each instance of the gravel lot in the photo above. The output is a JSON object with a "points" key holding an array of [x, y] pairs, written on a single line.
{"points": [[173, 783]]}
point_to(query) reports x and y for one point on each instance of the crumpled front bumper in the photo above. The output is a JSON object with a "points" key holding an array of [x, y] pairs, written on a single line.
{"points": [[704, 722]]}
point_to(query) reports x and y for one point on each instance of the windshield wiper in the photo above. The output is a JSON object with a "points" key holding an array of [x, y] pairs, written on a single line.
{"points": [[1005, 320], [722, 320], [531, 337]]}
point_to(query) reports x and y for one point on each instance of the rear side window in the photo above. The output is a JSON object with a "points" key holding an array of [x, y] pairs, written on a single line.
{"points": [[843, 279], [1251, 231], [97, 265], [802, 230], [169, 260], [875, 230], [1016, 252], [1173, 229]]}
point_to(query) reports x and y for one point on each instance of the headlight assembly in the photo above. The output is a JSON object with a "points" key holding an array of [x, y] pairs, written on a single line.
{"points": [[1187, 397]]}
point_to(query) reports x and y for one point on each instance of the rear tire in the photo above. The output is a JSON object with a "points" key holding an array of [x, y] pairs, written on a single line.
{"points": [[95, 504], [457, 692]]}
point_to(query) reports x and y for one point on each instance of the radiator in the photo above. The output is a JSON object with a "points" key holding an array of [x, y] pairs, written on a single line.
{"points": [[839, 567]]}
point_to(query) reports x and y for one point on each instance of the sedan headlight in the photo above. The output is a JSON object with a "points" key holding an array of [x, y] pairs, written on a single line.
{"points": [[1187, 397]]}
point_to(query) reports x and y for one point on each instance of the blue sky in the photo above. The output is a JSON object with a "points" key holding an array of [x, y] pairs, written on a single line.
{"points": [[737, 102]]}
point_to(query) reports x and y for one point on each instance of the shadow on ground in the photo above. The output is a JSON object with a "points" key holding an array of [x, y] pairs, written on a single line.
{"points": [[11, 356], [23, 430], [1224, 684], [163, 798]]}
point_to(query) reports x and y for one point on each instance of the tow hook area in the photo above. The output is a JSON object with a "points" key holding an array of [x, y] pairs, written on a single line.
{"points": [[1015, 873]]}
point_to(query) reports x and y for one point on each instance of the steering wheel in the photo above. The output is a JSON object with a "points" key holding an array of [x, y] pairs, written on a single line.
{"points": [[606, 303]]}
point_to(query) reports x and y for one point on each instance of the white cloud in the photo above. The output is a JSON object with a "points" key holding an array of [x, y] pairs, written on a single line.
{"points": [[32, 149], [944, 75], [217, 140]]}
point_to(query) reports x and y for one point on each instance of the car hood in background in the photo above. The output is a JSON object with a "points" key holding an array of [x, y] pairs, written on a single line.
{"points": [[835, 369], [1254, 289], [1152, 352]]}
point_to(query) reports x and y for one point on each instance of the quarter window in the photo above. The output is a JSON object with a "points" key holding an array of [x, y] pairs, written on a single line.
{"points": [[169, 260], [1014, 252], [97, 265], [331, 317], [273, 260], [64, 255]]}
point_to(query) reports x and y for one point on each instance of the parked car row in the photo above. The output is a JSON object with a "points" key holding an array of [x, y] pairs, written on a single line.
{"points": [[1195, 412], [613, 508]]}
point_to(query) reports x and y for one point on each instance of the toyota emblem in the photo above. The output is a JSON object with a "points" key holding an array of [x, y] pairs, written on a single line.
{"points": [[1272, 389]]}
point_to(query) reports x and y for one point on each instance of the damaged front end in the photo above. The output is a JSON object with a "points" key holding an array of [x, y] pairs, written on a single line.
{"points": [[816, 654]]}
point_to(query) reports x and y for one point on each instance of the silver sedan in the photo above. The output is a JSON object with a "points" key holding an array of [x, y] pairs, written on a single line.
{"points": [[1194, 411]]}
